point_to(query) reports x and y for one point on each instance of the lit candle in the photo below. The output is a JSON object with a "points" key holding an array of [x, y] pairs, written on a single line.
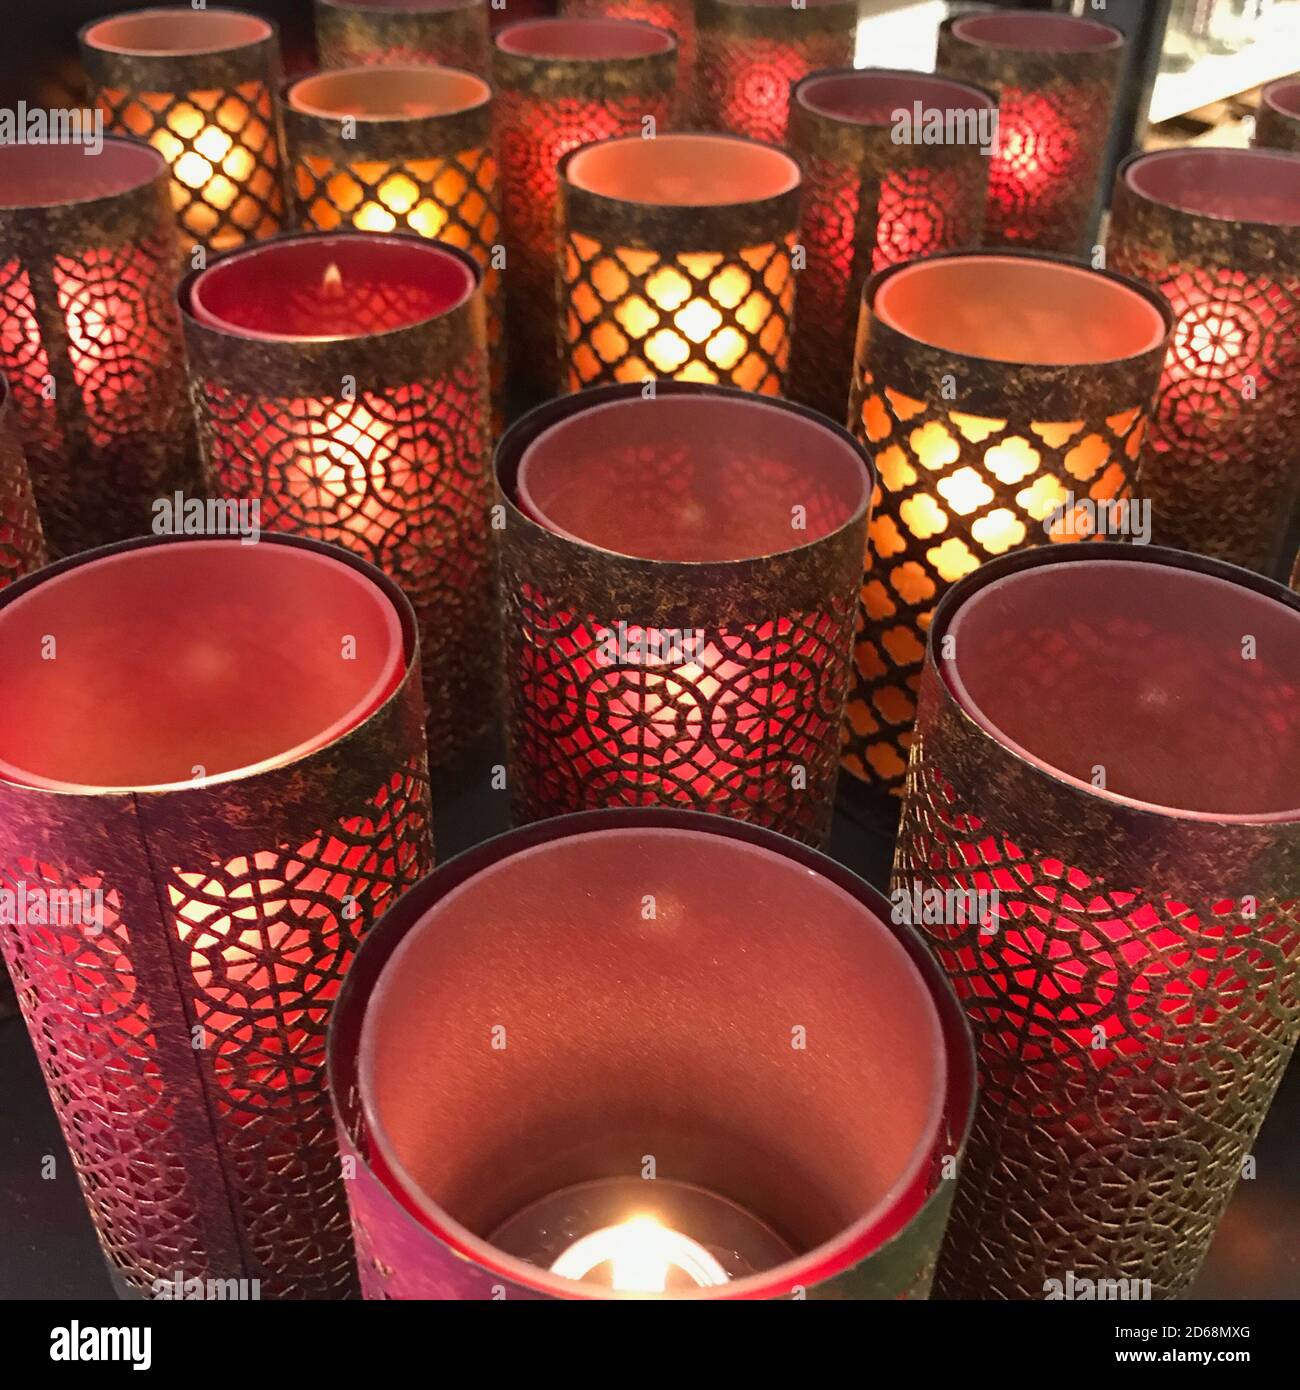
{"points": [[1056, 78], [1086, 717], [550, 1090], [677, 261], [678, 613], [217, 746], [386, 149], [1004, 399], [356, 33], [199, 85], [342, 381]]}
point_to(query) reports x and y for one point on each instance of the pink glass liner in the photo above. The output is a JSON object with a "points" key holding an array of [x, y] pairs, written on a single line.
{"points": [[176, 31], [195, 653], [691, 478], [686, 1013], [55, 175], [316, 288], [1021, 309], [683, 170], [1232, 185], [597, 39], [388, 93], [406, 6], [1138, 668], [1284, 96], [1036, 32], [870, 96]]}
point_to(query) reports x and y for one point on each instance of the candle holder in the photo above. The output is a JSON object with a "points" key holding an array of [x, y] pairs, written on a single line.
{"points": [[871, 200], [751, 52], [398, 33], [1277, 126], [1056, 79], [22, 546], [199, 85], [677, 16], [1004, 399], [1079, 761], [1218, 233], [561, 83], [195, 852], [761, 1168], [679, 577], [342, 381], [89, 336], [387, 149], [677, 261]]}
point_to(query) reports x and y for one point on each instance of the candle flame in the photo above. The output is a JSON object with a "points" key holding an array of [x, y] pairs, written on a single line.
{"points": [[641, 1254], [332, 280]]}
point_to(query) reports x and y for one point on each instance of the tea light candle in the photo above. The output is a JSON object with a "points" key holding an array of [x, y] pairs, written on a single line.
{"points": [[447, 33], [680, 1140], [678, 587], [199, 85], [1086, 716], [1004, 399], [1056, 79], [677, 261], [342, 381], [90, 339], [219, 746]]}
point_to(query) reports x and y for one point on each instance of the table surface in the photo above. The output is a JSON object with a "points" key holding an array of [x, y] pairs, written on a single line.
{"points": [[48, 1247]]}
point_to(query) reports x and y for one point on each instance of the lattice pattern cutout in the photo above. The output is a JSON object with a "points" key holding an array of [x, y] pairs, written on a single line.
{"points": [[534, 134], [398, 477], [22, 548], [270, 936], [1221, 460], [741, 723], [32, 387], [696, 316], [743, 82], [1043, 175], [1113, 1161], [452, 200], [956, 489], [224, 153]]}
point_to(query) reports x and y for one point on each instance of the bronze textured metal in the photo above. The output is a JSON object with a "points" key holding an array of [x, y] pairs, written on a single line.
{"points": [[357, 33]]}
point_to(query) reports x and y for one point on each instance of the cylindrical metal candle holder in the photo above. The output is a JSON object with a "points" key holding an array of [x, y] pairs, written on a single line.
{"points": [[1218, 233], [677, 16], [1277, 126], [678, 583], [614, 1086], [341, 381], [200, 86], [677, 261], [1004, 399], [402, 149], [449, 33], [1056, 79], [1108, 760], [561, 83], [881, 185], [205, 801], [22, 546], [89, 336], [751, 52]]}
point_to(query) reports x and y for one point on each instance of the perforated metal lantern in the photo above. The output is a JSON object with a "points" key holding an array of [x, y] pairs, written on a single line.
{"points": [[204, 804], [90, 339], [1056, 79], [561, 83], [409, 149], [449, 33], [1107, 751], [1004, 399], [876, 191], [1277, 125], [752, 52], [822, 1171], [1218, 233], [677, 261], [677, 16], [200, 86], [678, 581], [341, 380], [22, 545]]}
